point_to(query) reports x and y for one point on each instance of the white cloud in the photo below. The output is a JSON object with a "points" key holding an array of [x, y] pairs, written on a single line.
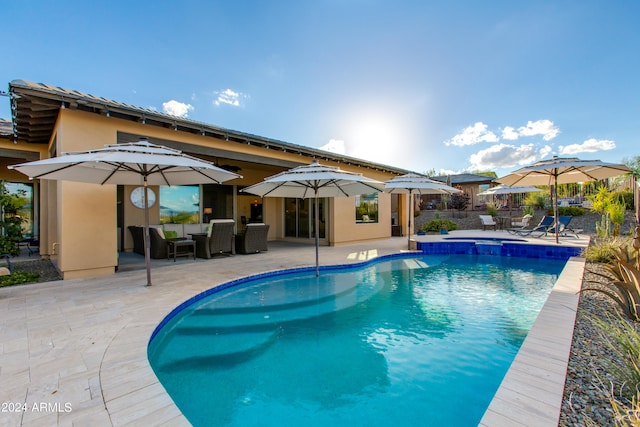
{"points": [[589, 146], [228, 97], [509, 133], [545, 128], [334, 146], [545, 151], [473, 135], [176, 108], [503, 156]]}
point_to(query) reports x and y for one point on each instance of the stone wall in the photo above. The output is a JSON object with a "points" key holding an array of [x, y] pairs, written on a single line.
{"points": [[469, 220]]}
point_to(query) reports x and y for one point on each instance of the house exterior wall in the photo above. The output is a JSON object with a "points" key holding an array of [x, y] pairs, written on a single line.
{"points": [[78, 225]]}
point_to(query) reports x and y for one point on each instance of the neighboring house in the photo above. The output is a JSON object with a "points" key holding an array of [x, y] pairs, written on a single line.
{"points": [[83, 226], [470, 184]]}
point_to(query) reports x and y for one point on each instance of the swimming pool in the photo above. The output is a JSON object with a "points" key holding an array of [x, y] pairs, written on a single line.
{"points": [[413, 340]]}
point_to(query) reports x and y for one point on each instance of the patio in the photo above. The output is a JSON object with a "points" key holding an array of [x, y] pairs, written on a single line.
{"points": [[75, 351]]}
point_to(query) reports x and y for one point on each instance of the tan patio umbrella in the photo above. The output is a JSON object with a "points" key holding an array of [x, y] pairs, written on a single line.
{"points": [[559, 170], [138, 163], [411, 184], [315, 181]]}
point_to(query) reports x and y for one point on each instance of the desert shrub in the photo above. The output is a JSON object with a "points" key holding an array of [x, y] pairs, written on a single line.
{"points": [[568, 211], [435, 225], [621, 281], [602, 250], [623, 339], [625, 197]]}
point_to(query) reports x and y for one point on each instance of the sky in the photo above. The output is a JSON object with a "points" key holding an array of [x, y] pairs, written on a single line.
{"points": [[429, 86]]}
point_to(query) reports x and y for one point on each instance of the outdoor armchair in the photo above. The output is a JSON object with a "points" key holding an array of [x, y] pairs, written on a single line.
{"points": [[157, 241], [218, 239], [487, 221], [252, 239], [522, 222]]}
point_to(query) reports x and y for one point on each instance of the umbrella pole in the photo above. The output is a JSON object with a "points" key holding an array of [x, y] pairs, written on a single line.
{"points": [[147, 240], [410, 213], [317, 233], [555, 208]]}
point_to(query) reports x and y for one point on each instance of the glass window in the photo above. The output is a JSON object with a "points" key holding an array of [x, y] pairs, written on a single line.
{"points": [[179, 204], [367, 208]]}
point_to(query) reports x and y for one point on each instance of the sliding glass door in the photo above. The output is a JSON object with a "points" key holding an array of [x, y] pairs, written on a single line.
{"points": [[299, 218]]}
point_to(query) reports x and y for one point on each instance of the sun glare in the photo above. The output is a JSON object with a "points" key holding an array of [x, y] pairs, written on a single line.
{"points": [[374, 137]]}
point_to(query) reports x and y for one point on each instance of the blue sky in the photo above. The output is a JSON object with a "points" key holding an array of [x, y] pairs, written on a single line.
{"points": [[449, 86]]}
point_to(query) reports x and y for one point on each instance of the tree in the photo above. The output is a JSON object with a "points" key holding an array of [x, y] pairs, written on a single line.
{"points": [[10, 221], [459, 201]]}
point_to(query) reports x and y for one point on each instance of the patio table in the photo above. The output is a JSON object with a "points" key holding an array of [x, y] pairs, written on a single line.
{"points": [[188, 245]]}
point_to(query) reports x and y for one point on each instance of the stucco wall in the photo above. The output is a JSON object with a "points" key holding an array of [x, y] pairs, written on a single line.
{"points": [[86, 223], [79, 220]]}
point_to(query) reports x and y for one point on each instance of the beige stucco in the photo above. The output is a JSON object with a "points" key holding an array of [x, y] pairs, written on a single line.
{"points": [[78, 227]]}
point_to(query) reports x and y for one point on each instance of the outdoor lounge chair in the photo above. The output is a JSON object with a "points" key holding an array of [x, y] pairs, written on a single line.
{"points": [[543, 227], [565, 228], [252, 239], [521, 222], [218, 240], [487, 221]]}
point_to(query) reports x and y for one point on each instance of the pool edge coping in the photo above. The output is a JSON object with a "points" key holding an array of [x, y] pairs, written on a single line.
{"points": [[532, 391]]}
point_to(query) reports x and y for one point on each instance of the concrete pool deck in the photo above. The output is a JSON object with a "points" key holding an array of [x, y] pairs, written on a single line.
{"points": [[75, 352]]}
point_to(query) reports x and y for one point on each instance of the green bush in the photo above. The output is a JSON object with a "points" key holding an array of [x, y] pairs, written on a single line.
{"points": [[625, 197], [537, 200], [18, 277], [492, 210], [8, 246], [435, 225], [568, 211]]}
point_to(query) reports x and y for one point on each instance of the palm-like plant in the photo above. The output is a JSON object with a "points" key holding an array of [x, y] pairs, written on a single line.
{"points": [[622, 282]]}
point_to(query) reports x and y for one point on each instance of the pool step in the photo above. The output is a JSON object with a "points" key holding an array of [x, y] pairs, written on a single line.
{"points": [[223, 336], [214, 351], [302, 307]]}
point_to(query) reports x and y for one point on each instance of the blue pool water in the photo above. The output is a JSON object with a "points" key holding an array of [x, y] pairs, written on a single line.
{"points": [[409, 341]]}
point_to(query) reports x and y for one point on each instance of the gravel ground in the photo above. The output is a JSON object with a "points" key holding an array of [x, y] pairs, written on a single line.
{"points": [[46, 270]]}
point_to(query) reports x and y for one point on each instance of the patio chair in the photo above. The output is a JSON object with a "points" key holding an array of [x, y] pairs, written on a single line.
{"points": [[541, 229], [217, 241], [487, 221], [158, 243], [566, 229], [252, 239], [521, 222]]}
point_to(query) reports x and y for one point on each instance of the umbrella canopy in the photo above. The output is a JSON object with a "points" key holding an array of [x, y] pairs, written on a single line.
{"points": [[559, 170], [129, 164], [505, 189], [411, 184], [315, 181]]}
